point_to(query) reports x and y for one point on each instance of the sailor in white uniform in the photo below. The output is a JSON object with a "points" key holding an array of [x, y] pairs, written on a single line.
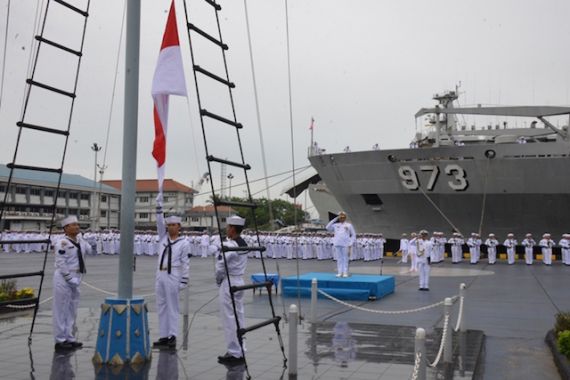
{"points": [[404, 243], [70, 254], [565, 248], [528, 244], [456, 243], [423, 251], [344, 237], [473, 251], [547, 244], [236, 264], [492, 244], [172, 275], [510, 244]]}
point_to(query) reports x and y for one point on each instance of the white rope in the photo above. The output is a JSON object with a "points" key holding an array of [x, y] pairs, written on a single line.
{"points": [[383, 311], [416, 369], [28, 306], [98, 289], [443, 336], [459, 315]]}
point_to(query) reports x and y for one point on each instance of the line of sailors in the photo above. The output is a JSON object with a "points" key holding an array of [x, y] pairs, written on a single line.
{"points": [[457, 244]]}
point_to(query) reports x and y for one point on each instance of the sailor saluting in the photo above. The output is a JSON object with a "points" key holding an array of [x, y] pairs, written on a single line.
{"points": [[69, 268], [344, 237]]}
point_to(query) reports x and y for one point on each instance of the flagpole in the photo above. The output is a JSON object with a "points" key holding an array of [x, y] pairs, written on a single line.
{"points": [[312, 128]]}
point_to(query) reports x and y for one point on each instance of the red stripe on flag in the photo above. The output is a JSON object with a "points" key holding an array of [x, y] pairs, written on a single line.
{"points": [[159, 146], [170, 37]]}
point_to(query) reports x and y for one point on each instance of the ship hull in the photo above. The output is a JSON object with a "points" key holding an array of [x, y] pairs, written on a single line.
{"points": [[517, 188]]}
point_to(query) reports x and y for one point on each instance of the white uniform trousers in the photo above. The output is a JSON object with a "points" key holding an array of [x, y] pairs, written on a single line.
{"points": [[547, 256], [511, 255], [424, 270], [474, 257], [528, 255], [64, 309], [492, 255], [404, 256], [204, 251], [414, 262], [566, 256], [456, 254], [167, 306], [227, 314], [342, 259]]}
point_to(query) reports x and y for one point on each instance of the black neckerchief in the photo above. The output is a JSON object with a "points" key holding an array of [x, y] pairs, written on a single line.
{"points": [[79, 256], [168, 250], [240, 242]]}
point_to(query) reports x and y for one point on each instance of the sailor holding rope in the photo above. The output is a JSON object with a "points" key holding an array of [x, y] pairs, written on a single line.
{"points": [[344, 237]]}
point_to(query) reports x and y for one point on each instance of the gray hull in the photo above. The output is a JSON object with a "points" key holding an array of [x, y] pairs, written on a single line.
{"points": [[523, 188]]}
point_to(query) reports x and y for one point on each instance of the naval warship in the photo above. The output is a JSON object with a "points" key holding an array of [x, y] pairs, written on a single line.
{"points": [[491, 179]]}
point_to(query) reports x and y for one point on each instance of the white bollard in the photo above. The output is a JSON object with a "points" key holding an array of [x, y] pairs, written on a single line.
{"points": [[314, 295], [463, 294], [420, 349], [448, 343], [293, 321]]}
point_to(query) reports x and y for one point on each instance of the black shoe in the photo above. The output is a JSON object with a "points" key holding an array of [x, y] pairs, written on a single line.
{"points": [[63, 346], [171, 342], [162, 342], [76, 345], [229, 359], [426, 289]]}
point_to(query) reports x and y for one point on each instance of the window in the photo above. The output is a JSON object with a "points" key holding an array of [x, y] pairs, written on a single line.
{"points": [[73, 195], [48, 193], [372, 199], [72, 211], [223, 220], [84, 196], [103, 198], [2, 188], [166, 199], [60, 211], [143, 199], [143, 215], [194, 219], [103, 213], [20, 190], [35, 191], [84, 212]]}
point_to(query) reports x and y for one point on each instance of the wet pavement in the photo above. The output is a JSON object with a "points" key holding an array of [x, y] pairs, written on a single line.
{"points": [[513, 305]]}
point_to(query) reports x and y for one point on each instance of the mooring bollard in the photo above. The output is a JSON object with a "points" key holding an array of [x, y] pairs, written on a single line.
{"points": [[447, 344], [293, 321], [314, 294], [462, 296], [420, 349]]}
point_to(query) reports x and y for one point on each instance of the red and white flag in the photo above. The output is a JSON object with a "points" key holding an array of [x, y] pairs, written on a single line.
{"points": [[312, 124], [168, 80]]}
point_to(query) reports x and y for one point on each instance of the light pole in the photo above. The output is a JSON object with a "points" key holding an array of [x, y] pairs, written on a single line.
{"points": [[230, 177], [96, 148]]}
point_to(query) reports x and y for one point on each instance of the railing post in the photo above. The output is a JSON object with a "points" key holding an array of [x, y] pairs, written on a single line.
{"points": [[293, 321], [462, 295], [420, 349], [448, 330], [314, 294]]}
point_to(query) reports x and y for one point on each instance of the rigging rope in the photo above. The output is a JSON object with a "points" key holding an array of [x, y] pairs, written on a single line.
{"points": [[484, 195], [4, 54], [439, 210]]}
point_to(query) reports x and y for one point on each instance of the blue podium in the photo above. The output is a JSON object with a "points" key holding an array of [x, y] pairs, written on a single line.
{"points": [[123, 335]]}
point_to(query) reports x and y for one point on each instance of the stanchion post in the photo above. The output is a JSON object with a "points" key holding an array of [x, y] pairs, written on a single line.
{"points": [[314, 294], [447, 344], [462, 295], [293, 321], [420, 349]]}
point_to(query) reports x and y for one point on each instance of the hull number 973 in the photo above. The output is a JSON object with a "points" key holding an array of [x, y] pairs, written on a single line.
{"points": [[455, 173]]}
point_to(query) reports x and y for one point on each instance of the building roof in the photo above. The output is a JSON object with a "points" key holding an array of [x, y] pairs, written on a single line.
{"points": [[151, 185], [209, 210], [46, 179]]}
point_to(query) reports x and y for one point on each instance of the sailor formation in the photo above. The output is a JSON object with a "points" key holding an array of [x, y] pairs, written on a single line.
{"points": [[319, 245]]}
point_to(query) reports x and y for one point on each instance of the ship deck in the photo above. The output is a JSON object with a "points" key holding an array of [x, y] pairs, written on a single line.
{"points": [[514, 306]]}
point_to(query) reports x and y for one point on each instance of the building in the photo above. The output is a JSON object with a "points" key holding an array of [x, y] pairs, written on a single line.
{"points": [[31, 196], [177, 199], [204, 217]]}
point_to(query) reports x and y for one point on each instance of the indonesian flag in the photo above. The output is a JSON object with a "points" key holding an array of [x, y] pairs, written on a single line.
{"points": [[168, 80], [312, 124]]}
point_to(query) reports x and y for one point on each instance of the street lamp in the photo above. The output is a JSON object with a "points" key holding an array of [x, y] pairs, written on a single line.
{"points": [[96, 148], [230, 177]]}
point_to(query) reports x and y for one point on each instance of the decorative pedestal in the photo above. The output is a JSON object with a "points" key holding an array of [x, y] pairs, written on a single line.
{"points": [[123, 335]]}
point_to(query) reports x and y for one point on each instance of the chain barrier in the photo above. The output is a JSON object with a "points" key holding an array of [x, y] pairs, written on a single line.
{"points": [[459, 315], [384, 311], [28, 306], [416, 369], [443, 336]]}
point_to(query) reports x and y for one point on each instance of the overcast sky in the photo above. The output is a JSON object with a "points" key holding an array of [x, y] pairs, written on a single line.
{"points": [[361, 68]]}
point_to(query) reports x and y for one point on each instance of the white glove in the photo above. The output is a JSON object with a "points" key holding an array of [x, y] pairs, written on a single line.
{"points": [[75, 281]]}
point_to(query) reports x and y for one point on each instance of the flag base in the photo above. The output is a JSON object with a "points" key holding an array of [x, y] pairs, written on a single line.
{"points": [[123, 335]]}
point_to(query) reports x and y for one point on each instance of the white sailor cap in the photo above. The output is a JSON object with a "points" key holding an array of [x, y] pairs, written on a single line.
{"points": [[546, 235], [491, 235], [173, 219], [235, 220], [69, 220], [510, 234], [423, 232], [528, 235]]}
